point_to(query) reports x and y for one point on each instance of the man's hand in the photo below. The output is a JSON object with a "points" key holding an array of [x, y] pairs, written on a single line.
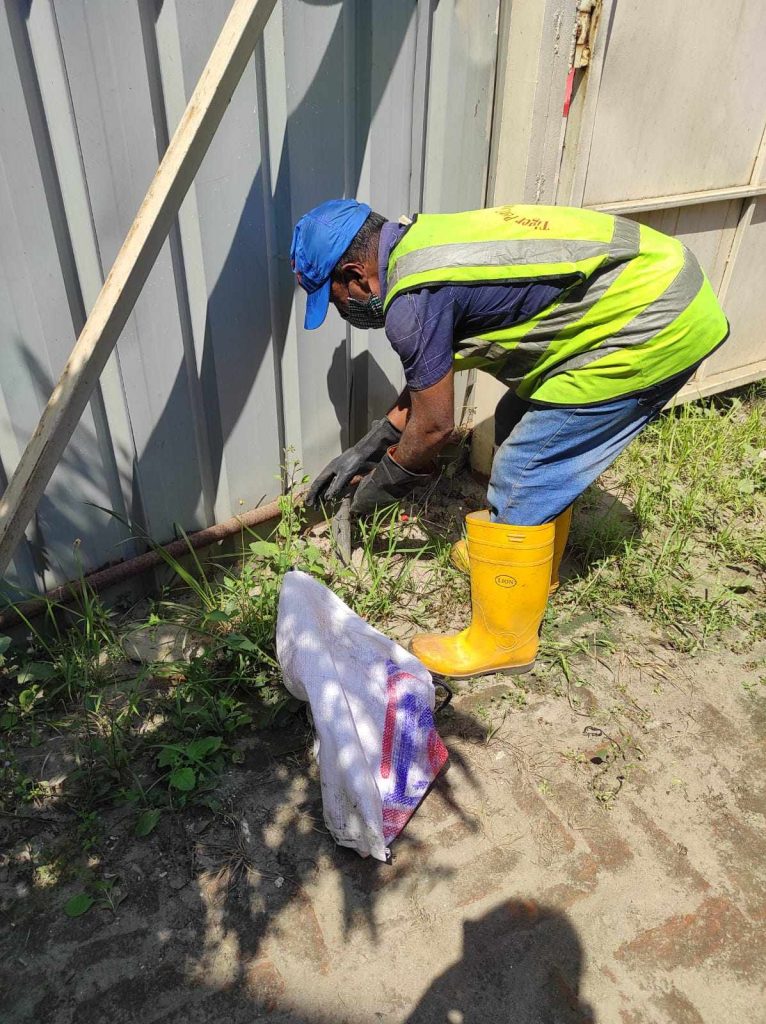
{"points": [[429, 426], [387, 484], [335, 477]]}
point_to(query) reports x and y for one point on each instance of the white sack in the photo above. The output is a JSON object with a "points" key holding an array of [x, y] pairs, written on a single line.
{"points": [[372, 704]]}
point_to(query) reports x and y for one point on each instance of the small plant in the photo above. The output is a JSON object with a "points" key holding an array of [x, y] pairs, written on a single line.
{"points": [[147, 821], [17, 786], [190, 766], [99, 895], [755, 687], [89, 831]]}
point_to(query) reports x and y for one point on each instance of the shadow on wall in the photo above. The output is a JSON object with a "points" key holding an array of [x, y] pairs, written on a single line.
{"points": [[228, 370], [367, 377], [56, 506], [223, 375]]}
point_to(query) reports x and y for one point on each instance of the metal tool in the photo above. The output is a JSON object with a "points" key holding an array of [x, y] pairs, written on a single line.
{"points": [[341, 530]]}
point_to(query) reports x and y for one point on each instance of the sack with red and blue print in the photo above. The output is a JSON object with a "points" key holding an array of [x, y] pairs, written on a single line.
{"points": [[372, 705]]}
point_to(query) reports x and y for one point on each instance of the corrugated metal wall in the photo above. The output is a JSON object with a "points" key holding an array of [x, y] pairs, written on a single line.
{"points": [[213, 376]]}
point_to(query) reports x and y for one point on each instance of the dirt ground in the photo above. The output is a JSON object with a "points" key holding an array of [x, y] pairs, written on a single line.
{"points": [[592, 854], [596, 850]]}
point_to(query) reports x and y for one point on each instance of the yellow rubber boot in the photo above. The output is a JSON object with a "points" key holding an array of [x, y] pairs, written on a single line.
{"points": [[562, 523], [459, 553], [481, 527], [510, 575], [459, 556]]}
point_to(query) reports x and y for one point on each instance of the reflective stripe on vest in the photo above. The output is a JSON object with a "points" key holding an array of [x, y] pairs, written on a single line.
{"points": [[545, 257], [628, 285]]}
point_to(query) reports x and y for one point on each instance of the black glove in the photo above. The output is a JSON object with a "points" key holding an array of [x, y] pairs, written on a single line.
{"points": [[387, 484], [335, 477]]}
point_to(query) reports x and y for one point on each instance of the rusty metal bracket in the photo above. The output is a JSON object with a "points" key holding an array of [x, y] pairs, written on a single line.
{"points": [[586, 25]]}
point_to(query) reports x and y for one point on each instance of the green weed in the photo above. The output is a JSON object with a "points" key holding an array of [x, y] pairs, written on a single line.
{"points": [[160, 740], [683, 539], [102, 894]]}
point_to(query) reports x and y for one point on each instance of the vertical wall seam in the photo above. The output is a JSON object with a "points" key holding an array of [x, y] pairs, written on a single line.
{"points": [[349, 191], [277, 327], [421, 87], [175, 242], [498, 94]]}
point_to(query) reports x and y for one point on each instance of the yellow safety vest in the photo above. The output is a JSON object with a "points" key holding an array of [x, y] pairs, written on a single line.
{"points": [[636, 307]]}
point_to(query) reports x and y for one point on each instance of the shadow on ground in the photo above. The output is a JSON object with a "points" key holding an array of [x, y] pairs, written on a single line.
{"points": [[199, 903], [520, 962]]}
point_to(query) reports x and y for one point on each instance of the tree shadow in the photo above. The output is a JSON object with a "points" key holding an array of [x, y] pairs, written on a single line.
{"points": [[207, 892]]}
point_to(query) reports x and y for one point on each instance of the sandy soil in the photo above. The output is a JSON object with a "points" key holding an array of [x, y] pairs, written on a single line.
{"points": [[595, 852]]}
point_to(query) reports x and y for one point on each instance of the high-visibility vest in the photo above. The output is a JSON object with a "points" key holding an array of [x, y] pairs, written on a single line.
{"points": [[636, 307]]}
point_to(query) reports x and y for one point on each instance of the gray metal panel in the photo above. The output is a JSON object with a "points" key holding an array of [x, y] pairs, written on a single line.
{"points": [[103, 47], [213, 374], [380, 173], [82, 266], [232, 316], [40, 312], [463, 52], [314, 163]]}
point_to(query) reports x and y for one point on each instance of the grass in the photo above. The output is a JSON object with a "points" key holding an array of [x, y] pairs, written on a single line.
{"points": [[683, 540], [159, 738], [680, 538]]}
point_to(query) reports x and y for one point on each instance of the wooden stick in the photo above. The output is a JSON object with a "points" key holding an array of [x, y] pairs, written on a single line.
{"points": [[115, 302]]}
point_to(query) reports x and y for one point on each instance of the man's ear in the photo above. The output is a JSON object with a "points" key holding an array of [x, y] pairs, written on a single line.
{"points": [[351, 273]]}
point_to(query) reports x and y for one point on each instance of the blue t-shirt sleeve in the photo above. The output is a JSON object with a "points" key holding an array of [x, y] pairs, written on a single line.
{"points": [[421, 326]]}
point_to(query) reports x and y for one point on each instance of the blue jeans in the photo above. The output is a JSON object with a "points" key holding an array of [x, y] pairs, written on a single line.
{"points": [[547, 456]]}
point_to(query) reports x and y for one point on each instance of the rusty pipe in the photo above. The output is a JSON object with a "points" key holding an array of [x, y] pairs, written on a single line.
{"points": [[113, 574]]}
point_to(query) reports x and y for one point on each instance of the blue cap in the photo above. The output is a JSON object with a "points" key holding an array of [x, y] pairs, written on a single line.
{"points": [[320, 238]]}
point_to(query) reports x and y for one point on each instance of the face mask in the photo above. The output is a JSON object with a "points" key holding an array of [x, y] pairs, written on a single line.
{"points": [[365, 315]]}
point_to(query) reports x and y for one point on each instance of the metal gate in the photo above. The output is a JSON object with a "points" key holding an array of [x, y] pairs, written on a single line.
{"points": [[668, 126], [655, 111]]}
